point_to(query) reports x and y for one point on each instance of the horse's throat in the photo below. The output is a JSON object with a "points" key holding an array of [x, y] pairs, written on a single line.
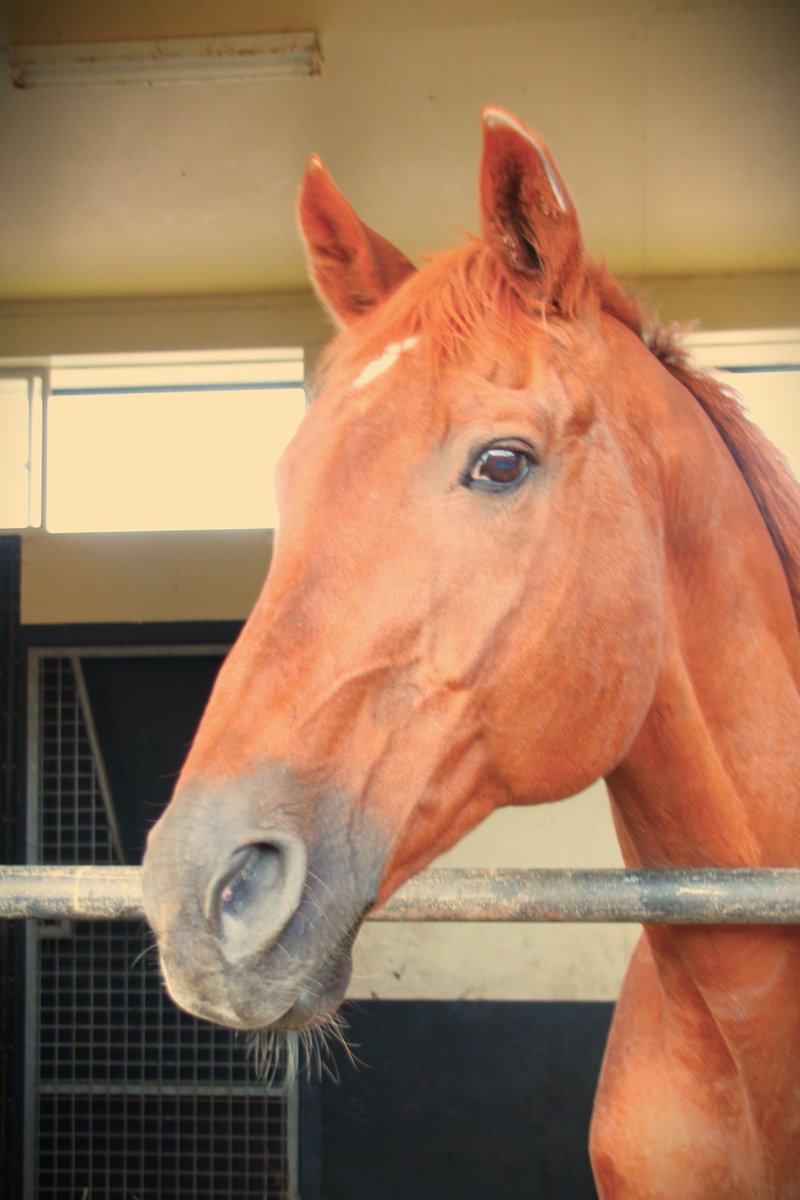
{"points": [[713, 777]]}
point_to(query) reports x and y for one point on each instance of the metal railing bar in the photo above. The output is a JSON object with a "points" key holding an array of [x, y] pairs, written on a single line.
{"points": [[679, 895]]}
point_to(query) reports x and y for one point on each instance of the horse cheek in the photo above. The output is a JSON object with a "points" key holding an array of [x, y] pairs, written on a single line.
{"points": [[575, 695]]}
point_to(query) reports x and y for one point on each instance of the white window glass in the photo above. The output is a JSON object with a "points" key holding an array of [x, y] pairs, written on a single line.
{"points": [[764, 368], [20, 450], [772, 399], [161, 445]]}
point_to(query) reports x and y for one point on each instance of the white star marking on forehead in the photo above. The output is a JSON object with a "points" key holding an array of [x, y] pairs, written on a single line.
{"points": [[386, 359]]}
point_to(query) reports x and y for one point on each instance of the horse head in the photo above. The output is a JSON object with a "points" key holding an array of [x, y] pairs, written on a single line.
{"points": [[464, 607]]}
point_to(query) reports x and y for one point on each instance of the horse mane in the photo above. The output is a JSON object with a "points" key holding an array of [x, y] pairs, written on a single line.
{"points": [[466, 303], [765, 469]]}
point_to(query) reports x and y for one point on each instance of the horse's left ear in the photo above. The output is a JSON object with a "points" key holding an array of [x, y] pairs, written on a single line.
{"points": [[527, 213], [353, 268]]}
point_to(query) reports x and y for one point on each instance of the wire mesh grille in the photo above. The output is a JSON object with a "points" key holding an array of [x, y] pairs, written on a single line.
{"points": [[73, 823], [9, 757], [134, 1099]]}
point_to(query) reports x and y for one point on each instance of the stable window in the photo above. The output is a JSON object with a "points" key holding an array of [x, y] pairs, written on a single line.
{"points": [[173, 442], [764, 368], [21, 396], [148, 443]]}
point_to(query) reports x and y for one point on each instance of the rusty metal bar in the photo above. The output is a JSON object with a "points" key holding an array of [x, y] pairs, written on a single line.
{"points": [[669, 896], [77, 893]]}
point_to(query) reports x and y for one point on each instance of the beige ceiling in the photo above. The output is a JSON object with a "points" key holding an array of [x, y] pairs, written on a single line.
{"points": [[675, 124]]}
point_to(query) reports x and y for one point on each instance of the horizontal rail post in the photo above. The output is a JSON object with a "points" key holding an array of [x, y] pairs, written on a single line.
{"points": [[677, 896]]}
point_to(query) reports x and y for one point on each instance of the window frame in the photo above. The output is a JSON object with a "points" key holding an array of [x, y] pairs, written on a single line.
{"points": [[225, 371]]}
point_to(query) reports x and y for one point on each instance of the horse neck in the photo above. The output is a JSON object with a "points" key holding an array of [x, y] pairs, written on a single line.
{"points": [[713, 776]]}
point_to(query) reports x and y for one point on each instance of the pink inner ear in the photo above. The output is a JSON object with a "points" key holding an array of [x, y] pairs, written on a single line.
{"points": [[352, 267], [494, 117], [528, 217]]}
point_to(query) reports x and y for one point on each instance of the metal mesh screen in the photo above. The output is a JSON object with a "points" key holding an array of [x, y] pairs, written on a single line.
{"points": [[129, 1097], [9, 755]]}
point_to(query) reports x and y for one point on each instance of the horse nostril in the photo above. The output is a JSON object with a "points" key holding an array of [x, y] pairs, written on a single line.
{"points": [[250, 900], [255, 869]]}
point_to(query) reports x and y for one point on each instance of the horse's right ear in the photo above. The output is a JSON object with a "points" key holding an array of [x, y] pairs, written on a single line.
{"points": [[528, 216], [352, 267]]}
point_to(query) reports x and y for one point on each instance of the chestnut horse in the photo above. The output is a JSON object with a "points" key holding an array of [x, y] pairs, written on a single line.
{"points": [[520, 548]]}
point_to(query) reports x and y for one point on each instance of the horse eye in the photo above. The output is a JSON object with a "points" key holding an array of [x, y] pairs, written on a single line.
{"points": [[500, 467]]}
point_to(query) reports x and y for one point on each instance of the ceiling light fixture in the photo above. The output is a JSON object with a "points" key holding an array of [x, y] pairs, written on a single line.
{"points": [[166, 61]]}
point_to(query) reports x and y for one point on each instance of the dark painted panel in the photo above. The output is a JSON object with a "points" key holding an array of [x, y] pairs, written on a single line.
{"points": [[146, 711], [462, 1100]]}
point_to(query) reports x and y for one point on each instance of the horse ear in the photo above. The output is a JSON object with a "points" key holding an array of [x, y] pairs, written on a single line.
{"points": [[352, 267], [527, 213]]}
